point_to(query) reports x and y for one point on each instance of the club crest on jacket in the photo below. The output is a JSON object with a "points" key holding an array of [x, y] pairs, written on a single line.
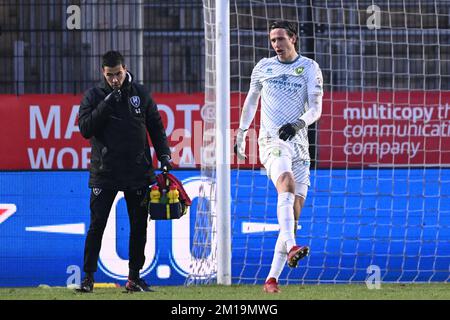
{"points": [[136, 102]]}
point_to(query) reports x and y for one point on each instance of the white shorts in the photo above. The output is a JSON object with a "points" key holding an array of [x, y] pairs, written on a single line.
{"points": [[274, 148]]}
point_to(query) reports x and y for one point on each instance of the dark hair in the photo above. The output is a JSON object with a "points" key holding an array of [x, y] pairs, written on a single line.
{"points": [[288, 26], [112, 59]]}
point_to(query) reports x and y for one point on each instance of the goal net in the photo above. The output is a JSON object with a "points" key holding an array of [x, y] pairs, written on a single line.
{"points": [[379, 200]]}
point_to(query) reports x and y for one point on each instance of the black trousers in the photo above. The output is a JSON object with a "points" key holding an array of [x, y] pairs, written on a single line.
{"points": [[100, 203]]}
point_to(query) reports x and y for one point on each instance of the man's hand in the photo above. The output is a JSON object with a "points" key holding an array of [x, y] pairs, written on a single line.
{"points": [[239, 146], [289, 130], [115, 95], [165, 162]]}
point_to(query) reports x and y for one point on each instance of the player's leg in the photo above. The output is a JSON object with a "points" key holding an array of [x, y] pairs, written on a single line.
{"points": [[101, 201], [277, 162], [285, 186], [298, 206], [300, 169], [278, 262], [137, 214], [301, 190], [285, 205], [297, 252]]}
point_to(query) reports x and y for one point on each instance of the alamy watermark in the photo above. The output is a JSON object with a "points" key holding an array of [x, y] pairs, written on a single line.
{"points": [[73, 21], [373, 280], [374, 20], [74, 278]]}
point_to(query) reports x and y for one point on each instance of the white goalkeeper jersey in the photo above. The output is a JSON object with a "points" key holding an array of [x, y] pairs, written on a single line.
{"points": [[284, 89]]}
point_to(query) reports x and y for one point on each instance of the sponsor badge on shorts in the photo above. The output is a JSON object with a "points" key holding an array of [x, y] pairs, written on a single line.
{"points": [[276, 152], [96, 191]]}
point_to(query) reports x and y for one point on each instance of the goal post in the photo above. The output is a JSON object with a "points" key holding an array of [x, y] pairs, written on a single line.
{"points": [[223, 142], [211, 243], [379, 200]]}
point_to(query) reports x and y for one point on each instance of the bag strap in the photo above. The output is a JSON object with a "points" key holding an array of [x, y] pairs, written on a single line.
{"points": [[183, 194], [166, 179]]}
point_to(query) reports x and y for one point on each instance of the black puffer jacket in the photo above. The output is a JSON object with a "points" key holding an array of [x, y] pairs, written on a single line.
{"points": [[120, 155]]}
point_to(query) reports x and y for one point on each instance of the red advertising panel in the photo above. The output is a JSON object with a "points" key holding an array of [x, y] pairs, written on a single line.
{"points": [[356, 129], [41, 131], [407, 128]]}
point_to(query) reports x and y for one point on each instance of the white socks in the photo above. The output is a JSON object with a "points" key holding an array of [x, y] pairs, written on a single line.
{"points": [[286, 219], [286, 236], [279, 259]]}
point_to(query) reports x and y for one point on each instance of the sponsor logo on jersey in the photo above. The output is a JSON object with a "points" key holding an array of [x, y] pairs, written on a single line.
{"points": [[284, 84], [299, 70], [269, 71]]}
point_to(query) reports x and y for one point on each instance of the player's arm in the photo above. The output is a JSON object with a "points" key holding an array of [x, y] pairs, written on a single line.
{"points": [[315, 93], [157, 132], [248, 114]]}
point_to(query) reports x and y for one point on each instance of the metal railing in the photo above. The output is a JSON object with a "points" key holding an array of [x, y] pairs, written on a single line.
{"points": [[45, 49]]}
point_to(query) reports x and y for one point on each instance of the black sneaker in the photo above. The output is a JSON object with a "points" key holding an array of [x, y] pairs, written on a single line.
{"points": [[137, 285], [87, 285]]}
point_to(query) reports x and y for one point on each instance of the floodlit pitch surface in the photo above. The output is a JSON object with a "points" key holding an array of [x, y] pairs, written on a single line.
{"points": [[428, 291]]}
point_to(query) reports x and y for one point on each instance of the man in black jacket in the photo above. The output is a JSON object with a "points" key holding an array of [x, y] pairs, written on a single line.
{"points": [[116, 116]]}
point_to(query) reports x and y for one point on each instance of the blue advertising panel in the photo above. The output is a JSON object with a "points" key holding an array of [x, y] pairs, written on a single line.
{"points": [[395, 219]]}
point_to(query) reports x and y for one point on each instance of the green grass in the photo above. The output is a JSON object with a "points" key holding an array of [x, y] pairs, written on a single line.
{"points": [[433, 291]]}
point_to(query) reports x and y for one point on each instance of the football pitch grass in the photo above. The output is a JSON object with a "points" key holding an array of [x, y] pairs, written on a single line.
{"points": [[429, 291]]}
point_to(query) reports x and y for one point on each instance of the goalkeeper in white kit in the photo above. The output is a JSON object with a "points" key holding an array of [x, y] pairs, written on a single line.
{"points": [[291, 90]]}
